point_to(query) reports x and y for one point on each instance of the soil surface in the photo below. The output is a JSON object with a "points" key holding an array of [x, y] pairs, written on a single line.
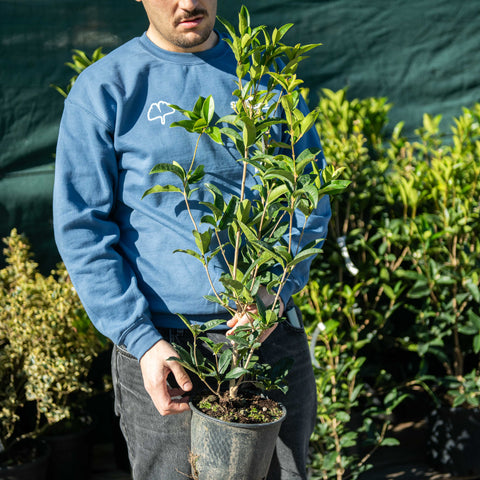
{"points": [[247, 408]]}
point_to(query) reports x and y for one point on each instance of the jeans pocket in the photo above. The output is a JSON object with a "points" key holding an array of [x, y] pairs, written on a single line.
{"points": [[294, 320], [123, 351]]}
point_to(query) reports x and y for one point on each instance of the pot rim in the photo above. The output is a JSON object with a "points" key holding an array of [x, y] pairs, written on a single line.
{"points": [[195, 410], [42, 457]]}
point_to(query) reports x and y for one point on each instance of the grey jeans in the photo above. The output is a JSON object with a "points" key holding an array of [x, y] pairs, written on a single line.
{"points": [[158, 446]]}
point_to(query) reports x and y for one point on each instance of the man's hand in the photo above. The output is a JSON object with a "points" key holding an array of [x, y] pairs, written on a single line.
{"points": [[155, 369], [240, 319]]}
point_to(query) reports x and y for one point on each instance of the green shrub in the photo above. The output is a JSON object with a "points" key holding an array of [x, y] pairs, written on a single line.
{"points": [[47, 344], [393, 303]]}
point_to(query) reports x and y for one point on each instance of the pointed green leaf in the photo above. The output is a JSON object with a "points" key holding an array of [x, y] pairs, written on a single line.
{"points": [[186, 124], [202, 240], [215, 134], [232, 284], [197, 175], [190, 252], [174, 168], [277, 192], [210, 220], [276, 173], [210, 324], [224, 361], [303, 255], [161, 189], [186, 322], [229, 213], [213, 299], [249, 132], [235, 373], [208, 109], [198, 107]]}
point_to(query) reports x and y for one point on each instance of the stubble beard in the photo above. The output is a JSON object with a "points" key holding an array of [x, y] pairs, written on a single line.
{"points": [[184, 41], [187, 40]]}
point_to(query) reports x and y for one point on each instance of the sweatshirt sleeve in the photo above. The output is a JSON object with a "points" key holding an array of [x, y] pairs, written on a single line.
{"points": [[86, 176], [317, 224]]}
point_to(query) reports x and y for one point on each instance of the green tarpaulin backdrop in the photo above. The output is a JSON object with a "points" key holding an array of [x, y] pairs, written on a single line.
{"points": [[424, 55]]}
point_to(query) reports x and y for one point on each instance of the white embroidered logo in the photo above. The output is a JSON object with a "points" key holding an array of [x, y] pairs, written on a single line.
{"points": [[159, 110]]}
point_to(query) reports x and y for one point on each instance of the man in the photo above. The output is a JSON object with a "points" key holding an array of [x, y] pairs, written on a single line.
{"points": [[118, 247]]}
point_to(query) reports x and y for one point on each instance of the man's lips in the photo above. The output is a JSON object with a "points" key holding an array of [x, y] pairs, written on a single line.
{"points": [[191, 22]]}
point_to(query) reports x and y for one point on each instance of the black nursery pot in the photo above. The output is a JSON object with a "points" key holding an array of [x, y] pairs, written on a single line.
{"points": [[26, 460], [454, 440], [231, 451], [71, 456]]}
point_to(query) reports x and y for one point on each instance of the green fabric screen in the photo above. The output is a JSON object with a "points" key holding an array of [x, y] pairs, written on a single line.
{"points": [[424, 55]]}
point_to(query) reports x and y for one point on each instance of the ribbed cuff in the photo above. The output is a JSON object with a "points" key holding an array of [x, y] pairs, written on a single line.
{"points": [[141, 337]]}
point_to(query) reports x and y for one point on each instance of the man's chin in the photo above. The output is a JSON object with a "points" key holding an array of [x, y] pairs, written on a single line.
{"points": [[192, 39]]}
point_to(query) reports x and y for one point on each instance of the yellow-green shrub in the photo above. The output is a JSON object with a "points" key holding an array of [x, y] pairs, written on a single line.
{"points": [[47, 343]]}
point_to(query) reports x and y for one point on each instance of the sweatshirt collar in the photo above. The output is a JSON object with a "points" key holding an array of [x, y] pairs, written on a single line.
{"points": [[183, 57]]}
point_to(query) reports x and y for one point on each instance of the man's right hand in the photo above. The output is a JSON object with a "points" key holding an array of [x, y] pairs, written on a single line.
{"points": [[155, 369]]}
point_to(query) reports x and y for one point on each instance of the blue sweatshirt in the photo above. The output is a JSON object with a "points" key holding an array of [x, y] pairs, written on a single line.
{"points": [[118, 247]]}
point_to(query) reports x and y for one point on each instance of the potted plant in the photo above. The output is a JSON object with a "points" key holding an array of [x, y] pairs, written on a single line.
{"points": [[50, 345], [252, 232], [434, 191], [21, 457]]}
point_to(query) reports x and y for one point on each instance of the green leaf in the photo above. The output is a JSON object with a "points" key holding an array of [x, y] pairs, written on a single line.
{"points": [[235, 373], [277, 192], [476, 343], [210, 220], [303, 255], [473, 289], [265, 257], [232, 284], [335, 187], [474, 319], [174, 168], [249, 132], [308, 156], [190, 252], [215, 134], [277, 34], [200, 125], [198, 107], [390, 442], [162, 189], [186, 124], [187, 323], [202, 240], [230, 28], [224, 361], [276, 173], [187, 113], [342, 417], [229, 213], [250, 234], [243, 20], [308, 122], [197, 175], [217, 195], [213, 299], [208, 109], [243, 211], [210, 324], [421, 289]]}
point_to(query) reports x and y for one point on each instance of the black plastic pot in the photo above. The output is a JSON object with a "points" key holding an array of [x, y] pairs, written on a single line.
{"points": [[71, 456], [231, 451], [27, 460], [454, 440]]}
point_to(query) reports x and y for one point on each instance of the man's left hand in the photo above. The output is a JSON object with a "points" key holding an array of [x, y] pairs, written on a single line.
{"points": [[244, 319]]}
